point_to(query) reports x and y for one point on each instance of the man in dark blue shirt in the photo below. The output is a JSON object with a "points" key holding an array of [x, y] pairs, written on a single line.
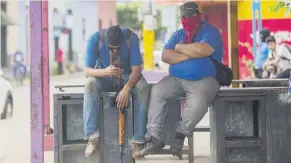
{"points": [[100, 72], [192, 74]]}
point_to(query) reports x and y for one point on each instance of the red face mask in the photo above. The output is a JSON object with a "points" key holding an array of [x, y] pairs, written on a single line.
{"points": [[189, 24]]}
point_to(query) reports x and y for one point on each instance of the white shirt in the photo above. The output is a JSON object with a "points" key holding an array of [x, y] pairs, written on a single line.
{"points": [[284, 57]]}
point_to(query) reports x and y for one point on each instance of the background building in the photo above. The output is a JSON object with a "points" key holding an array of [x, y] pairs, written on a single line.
{"points": [[69, 29], [11, 29]]}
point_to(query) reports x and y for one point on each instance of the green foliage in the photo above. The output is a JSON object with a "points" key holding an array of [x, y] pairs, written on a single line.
{"points": [[159, 25], [280, 5], [277, 7], [127, 15]]}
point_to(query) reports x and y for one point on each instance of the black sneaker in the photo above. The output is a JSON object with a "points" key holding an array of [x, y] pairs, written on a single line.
{"points": [[177, 144], [152, 145]]}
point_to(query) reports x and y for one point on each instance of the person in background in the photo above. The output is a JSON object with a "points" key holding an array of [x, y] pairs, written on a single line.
{"points": [[262, 54], [189, 52], [60, 60], [18, 62], [278, 64]]}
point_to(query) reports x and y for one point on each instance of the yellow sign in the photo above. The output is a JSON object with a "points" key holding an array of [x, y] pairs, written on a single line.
{"points": [[148, 43], [245, 10]]}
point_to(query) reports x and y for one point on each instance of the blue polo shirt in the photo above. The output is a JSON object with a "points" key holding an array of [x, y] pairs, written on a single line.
{"points": [[127, 61], [197, 68], [262, 55]]}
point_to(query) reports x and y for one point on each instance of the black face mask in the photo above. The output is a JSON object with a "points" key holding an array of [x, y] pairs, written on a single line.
{"points": [[114, 50]]}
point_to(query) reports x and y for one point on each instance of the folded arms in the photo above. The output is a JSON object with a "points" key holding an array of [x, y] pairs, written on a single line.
{"points": [[184, 52]]}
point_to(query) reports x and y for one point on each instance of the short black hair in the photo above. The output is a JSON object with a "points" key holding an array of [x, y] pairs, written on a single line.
{"points": [[270, 39], [114, 35], [264, 34]]}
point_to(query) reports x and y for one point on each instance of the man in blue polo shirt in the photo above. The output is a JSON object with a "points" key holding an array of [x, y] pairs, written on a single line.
{"points": [[101, 72], [192, 74]]}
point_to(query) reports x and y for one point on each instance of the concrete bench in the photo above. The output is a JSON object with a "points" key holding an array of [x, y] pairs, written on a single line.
{"points": [[262, 83], [234, 98], [173, 116], [251, 125]]}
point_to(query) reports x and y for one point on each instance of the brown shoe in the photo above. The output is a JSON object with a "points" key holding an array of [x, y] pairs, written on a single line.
{"points": [[136, 150]]}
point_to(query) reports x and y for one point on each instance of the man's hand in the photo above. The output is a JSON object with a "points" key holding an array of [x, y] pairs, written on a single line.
{"points": [[113, 71], [122, 98]]}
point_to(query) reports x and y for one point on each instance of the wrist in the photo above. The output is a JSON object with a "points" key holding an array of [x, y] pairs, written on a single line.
{"points": [[127, 87], [105, 72]]}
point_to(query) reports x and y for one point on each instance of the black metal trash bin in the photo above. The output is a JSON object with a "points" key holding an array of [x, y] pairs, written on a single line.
{"points": [[69, 145], [251, 125]]}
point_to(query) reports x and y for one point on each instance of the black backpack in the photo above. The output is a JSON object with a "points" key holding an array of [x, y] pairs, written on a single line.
{"points": [[101, 41], [224, 74]]}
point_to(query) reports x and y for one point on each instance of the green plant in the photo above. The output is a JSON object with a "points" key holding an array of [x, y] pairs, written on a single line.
{"points": [[280, 5], [127, 15]]}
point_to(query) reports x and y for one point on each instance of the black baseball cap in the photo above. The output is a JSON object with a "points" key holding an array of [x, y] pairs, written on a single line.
{"points": [[114, 35], [189, 9]]}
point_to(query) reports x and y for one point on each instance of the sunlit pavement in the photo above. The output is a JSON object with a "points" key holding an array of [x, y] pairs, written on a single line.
{"points": [[15, 132]]}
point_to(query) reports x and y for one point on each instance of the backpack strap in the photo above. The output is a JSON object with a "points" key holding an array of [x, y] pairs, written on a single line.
{"points": [[128, 35], [101, 39]]}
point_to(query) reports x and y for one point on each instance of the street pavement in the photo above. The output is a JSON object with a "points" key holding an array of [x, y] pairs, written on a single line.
{"points": [[15, 132]]}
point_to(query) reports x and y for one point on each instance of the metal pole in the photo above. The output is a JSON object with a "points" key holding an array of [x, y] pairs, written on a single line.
{"points": [[254, 28], [260, 26], [27, 44], [36, 83], [0, 48], [256, 11], [46, 76], [233, 38]]}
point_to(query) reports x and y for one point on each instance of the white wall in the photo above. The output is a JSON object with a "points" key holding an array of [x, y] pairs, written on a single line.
{"points": [[80, 9], [13, 31], [87, 10]]}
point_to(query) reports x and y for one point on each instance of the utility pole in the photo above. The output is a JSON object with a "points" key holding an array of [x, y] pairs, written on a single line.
{"points": [[27, 33], [148, 36]]}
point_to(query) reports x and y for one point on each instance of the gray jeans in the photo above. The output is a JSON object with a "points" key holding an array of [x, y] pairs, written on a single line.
{"points": [[199, 95]]}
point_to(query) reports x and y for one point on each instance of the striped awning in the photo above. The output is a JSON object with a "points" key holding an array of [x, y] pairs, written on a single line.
{"points": [[5, 19]]}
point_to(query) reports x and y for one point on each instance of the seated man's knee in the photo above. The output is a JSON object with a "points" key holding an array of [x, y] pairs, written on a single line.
{"points": [[143, 88], [91, 85], [158, 91]]}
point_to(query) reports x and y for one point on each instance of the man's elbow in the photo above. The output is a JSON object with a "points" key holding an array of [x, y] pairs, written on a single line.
{"points": [[137, 69], [164, 57]]}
